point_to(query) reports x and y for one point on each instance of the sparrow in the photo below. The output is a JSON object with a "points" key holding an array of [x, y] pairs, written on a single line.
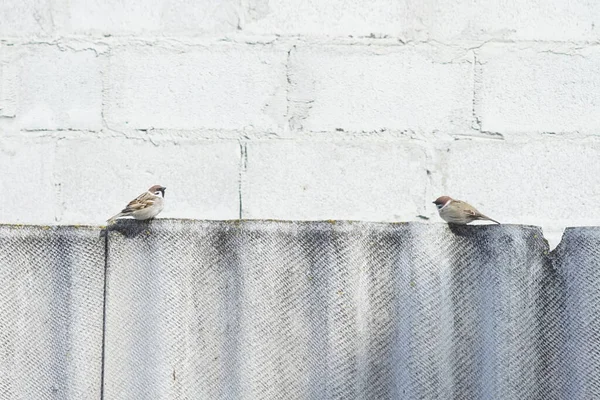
{"points": [[458, 212], [147, 205]]}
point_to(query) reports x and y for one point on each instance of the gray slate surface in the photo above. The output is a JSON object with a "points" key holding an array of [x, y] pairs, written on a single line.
{"points": [[304, 310], [280, 310], [51, 297], [576, 311]]}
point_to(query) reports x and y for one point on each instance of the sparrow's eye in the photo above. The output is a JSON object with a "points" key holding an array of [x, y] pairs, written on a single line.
{"points": [[158, 193]]}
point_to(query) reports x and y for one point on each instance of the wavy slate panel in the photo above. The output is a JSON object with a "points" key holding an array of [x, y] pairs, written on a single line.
{"points": [[576, 315], [51, 299], [319, 310]]}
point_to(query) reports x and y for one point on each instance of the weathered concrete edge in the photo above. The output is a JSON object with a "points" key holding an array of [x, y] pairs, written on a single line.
{"points": [[338, 225]]}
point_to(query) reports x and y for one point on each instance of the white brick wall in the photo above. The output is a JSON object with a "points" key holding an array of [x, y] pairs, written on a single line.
{"points": [[343, 179], [367, 88], [295, 109], [58, 89], [194, 87], [27, 181], [134, 17], [540, 89]]}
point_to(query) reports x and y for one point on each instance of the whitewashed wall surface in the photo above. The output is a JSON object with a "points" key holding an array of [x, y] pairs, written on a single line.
{"points": [[258, 310], [301, 109]]}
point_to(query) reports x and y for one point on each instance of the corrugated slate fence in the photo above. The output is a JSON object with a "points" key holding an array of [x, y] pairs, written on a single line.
{"points": [[298, 310]]}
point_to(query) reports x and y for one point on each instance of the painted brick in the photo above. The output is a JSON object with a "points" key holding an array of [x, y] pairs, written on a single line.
{"points": [[222, 86], [367, 89], [312, 180], [25, 18], [58, 90], [98, 177], [455, 20], [26, 180], [9, 86], [532, 90], [331, 18], [120, 17], [552, 20]]}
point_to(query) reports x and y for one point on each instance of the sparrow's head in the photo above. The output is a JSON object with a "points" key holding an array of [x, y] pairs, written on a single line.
{"points": [[158, 190], [442, 201]]}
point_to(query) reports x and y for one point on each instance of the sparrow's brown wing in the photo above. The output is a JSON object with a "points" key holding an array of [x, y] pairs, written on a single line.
{"points": [[142, 201], [470, 210], [466, 208]]}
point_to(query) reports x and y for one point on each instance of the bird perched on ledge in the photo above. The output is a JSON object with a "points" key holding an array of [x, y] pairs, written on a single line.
{"points": [[147, 205], [458, 212]]}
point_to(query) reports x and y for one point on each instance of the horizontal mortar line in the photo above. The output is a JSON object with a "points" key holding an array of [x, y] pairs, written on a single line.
{"points": [[169, 136], [271, 39]]}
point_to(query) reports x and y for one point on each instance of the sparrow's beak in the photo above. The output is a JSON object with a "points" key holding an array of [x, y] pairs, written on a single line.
{"points": [[164, 188]]}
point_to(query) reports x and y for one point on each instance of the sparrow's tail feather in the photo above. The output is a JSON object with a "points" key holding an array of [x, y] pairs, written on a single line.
{"points": [[489, 219], [112, 219]]}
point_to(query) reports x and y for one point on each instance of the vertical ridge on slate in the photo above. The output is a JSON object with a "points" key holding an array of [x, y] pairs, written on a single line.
{"points": [[577, 315], [171, 324], [51, 281], [325, 310]]}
